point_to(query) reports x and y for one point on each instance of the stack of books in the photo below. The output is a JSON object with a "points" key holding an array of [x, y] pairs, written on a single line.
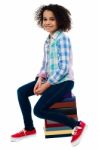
{"points": [[54, 129]]}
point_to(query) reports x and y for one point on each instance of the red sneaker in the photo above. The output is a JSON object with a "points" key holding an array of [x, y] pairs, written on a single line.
{"points": [[77, 133], [22, 134]]}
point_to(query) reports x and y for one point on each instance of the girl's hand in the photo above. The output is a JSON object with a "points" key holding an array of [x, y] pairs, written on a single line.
{"points": [[42, 88], [37, 85]]}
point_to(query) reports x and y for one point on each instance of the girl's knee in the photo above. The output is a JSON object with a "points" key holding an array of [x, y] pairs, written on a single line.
{"points": [[37, 111], [21, 90]]}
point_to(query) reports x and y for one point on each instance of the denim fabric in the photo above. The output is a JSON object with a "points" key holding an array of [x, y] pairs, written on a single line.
{"points": [[53, 94]]}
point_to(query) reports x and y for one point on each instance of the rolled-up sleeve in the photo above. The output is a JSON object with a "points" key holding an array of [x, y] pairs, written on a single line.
{"points": [[63, 47]]}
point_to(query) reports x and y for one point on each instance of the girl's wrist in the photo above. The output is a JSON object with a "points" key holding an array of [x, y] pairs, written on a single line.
{"points": [[47, 84], [40, 78]]}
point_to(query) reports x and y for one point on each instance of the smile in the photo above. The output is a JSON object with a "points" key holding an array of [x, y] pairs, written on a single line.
{"points": [[48, 26]]}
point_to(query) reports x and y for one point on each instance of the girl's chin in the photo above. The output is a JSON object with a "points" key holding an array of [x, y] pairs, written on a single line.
{"points": [[49, 31]]}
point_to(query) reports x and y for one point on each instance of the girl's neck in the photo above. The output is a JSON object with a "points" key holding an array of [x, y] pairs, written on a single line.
{"points": [[52, 33]]}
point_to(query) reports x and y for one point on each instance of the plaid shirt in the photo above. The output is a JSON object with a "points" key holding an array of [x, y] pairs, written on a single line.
{"points": [[57, 61]]}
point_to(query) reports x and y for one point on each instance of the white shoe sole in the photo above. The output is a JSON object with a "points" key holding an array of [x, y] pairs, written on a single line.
{"points": [[79, 139], [18, 139]]}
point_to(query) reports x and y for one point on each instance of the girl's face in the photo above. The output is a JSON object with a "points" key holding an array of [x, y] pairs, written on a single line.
{"points": [[49, 21]]}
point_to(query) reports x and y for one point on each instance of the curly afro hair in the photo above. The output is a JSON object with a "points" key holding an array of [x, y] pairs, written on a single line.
{"points": [[62, 15]]}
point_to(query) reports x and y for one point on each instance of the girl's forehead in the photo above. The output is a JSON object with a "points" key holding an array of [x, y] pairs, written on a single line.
{"points": [[48, 13]]}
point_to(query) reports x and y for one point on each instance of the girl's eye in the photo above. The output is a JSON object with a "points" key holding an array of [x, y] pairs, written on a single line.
{"points": [[52, 19], [44, 19]]}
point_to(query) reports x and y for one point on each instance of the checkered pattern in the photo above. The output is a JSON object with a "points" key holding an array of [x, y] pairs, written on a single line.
{"points": [[57, 61]]}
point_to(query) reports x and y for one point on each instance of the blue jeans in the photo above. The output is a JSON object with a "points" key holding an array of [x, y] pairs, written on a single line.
{"points": [[53, 94]]}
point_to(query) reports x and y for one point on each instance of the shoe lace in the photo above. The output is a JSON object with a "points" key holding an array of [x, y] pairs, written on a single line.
{"points": [[76, 129], [22, 131]]}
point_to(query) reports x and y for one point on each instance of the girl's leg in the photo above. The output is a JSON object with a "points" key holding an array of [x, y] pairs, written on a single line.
{"points": [[23, 93], [49, 97]]}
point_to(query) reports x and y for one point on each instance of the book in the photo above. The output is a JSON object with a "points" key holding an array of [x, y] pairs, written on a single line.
{"points": [[56, 129], [50, 123], [58, 133], [63, 104]]}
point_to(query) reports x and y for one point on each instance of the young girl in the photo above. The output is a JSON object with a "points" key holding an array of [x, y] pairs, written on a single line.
{"points": [[55, 78]]}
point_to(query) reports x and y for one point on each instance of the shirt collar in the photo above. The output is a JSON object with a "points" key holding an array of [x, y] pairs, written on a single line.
{"points": [[53, 36]]}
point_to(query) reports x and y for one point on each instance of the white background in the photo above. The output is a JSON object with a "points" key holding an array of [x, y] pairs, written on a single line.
{"points": [[21, 51]]}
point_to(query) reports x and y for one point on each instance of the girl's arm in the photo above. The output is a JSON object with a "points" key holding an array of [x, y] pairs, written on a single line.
{"points": [[64, 55], [42, 72]]}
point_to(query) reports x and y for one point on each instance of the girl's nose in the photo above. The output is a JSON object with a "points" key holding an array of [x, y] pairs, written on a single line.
{"points": [[47, 22]]}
